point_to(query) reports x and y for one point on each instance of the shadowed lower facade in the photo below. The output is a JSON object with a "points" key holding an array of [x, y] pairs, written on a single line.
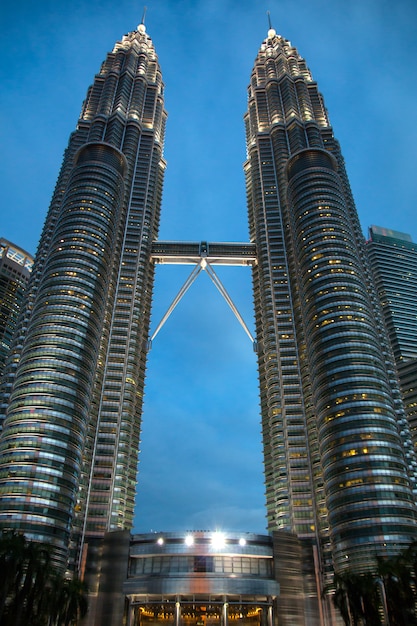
{"points": [[340, 477]]}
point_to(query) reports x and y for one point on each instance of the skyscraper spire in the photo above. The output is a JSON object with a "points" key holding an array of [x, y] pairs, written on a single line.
{"points": [[271, 31]]}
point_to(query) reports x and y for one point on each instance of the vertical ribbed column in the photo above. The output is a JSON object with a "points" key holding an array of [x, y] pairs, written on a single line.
{"points": [[367, 489], [44, 432], [135, 124]]}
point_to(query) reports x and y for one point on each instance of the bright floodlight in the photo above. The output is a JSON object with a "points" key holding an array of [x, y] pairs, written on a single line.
{"points": [[160, 541], [189, 540], [242, 541], [218, 540]]}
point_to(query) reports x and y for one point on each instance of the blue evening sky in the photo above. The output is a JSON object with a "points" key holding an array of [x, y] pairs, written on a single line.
{"points": [[201, 460]]}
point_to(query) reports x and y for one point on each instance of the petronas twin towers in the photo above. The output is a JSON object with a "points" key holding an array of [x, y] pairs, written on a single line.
{"points": [[339, 467]]}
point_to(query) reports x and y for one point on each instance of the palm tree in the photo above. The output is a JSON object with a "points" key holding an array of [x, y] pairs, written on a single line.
{"points": [[32, 593], [356, 597], [341, 600], [29, 599], [73, 601], [24, 574], [12, 557], [398, 576], [387, 595]]}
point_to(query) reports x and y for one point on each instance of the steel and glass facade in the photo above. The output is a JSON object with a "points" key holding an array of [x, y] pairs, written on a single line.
{"points": [[393, 259], [407, 373], [74, 391], [336, 473], [340, 471], [15, 269]]}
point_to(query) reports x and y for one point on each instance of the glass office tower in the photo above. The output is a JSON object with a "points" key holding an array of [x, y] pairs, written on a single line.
{"points": [[15, 268], [70, 440], [393, 259], [336, 472]]}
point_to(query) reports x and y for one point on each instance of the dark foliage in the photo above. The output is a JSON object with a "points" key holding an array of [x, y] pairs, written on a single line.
{"points": [[386, 596], [32, 593]]}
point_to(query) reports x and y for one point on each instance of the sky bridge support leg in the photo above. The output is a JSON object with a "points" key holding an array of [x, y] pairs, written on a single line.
{"points": [[217, 283], [203, 265], [197, 269]]}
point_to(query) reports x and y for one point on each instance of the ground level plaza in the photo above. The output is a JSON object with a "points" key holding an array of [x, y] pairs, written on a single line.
{"points": [[202, 578]]}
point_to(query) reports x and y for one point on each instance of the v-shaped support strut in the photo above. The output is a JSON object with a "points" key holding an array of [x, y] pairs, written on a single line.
{"points": [[203, 265]]}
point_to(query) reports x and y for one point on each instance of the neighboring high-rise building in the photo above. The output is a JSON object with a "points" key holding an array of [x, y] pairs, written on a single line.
{"points": [[339, 471], [73, 419], [407, 374], [15, 268], [393, 259]]}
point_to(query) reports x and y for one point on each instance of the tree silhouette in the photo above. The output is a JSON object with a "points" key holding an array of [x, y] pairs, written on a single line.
{"points": [[70, 600], [32, 593], [357, 598], [398, 574], [387, 595]]}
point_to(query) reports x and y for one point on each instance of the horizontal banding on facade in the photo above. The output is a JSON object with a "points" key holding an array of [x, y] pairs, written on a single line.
{"points": [[104, 153], [306, 159]]}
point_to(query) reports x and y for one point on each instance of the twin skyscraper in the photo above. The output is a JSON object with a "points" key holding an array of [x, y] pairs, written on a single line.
{"points": [[340, 472]]}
